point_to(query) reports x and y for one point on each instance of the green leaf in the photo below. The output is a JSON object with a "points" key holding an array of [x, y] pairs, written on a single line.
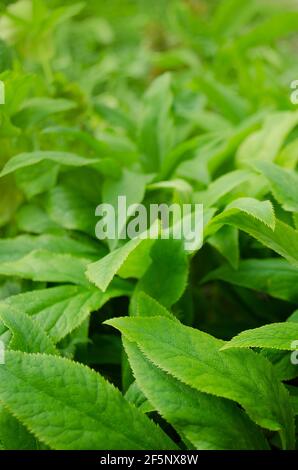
{"points": [[60, 310], [124, 259], [69, 209], [13, 435], [275, 335], [25, 160], [132, 186], [284, 184], [232, 15], [273, 276], [226, 241], [229, 103], [136, 397], [82, 410], [194, 358], [43, 265], [269, 30], [288, 157], [76, 134], [283, 367], [27, 334], [37, 179], [146, 306], [222, 186], [247, 217], [266, 143], [156, 130], [193, 414], [31, 218], [35, 110], [14, 248], [10, 200], [166, 278], [260, 210]]}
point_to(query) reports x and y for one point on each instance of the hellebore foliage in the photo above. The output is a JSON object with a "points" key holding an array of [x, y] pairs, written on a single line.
{"points": [[141, 343]]}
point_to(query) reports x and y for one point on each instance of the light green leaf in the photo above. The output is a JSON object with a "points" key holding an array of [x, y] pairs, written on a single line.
{"points": [[35, 110], [146, 306], [288, 157], [266, 143], [166, 278], [281, 361], [284, 368], [222, 186], [269, 30], [247, 217], [77, 134], [193, 414], [260, 210], [31, 218], [124, 259], [69, 209], [194, 358], [27, 334], [37, 179], [275, 335], [15, 248], [25, 160], [132, 186], [226, 241], [284, 184], [232, 15], [82, 410], [226, 100], [43, 265], [136, 397], [60, 310], [156, 130], [13, 435]]}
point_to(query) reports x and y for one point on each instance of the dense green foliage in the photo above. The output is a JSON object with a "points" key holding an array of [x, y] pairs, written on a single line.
{"points": [[141, 344]]}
